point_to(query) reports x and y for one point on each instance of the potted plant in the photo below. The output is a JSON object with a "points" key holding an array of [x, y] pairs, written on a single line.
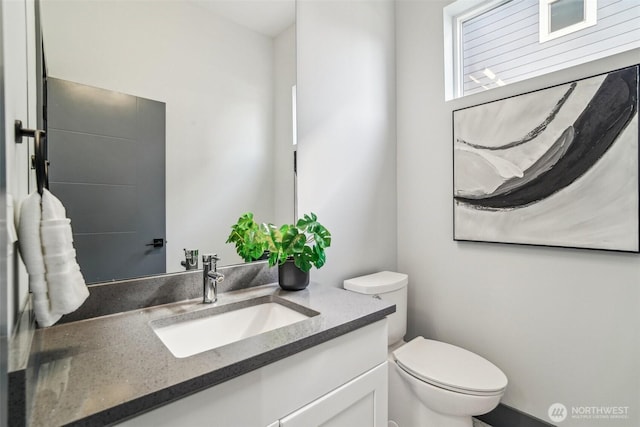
{"points": [[294, 248]]}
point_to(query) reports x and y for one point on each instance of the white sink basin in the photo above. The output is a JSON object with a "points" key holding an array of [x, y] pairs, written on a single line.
{"points": [[193, 333]]}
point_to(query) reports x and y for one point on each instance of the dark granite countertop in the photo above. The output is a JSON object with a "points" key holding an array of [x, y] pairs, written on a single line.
{"points": [[106, 369]]}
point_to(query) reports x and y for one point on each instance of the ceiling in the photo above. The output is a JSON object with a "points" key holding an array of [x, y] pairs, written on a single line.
{"points": [[268, 17]]}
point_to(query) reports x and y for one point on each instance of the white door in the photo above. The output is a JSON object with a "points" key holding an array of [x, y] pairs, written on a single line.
{"points": [[17, 66], [361, 402], [18, 50]]}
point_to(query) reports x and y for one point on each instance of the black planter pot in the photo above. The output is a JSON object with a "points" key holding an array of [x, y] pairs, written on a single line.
{"points": [[291, 278]]}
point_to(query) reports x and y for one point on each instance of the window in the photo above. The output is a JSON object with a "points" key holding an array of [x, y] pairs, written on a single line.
{"points": [[493, 43], [561, 17]]}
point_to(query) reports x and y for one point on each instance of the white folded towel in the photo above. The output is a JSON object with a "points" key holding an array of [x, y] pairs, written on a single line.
{"points": [[31, 251], [67, 288], [67, 291], [52, 208], [56, 238], [58, 263], [54, 275]]}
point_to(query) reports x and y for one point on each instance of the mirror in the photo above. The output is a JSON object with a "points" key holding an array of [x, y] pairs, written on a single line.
{"points": [[225, 71]]}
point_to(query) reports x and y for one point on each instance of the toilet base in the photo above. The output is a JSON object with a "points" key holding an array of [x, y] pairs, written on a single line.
{"points": [[406, 409]]}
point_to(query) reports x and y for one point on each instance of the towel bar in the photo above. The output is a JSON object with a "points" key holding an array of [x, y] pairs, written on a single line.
{"points": [[39, 160]]}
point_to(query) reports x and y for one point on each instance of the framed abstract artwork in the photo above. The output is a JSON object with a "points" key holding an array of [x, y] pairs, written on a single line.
{"points": [[554, 167]]}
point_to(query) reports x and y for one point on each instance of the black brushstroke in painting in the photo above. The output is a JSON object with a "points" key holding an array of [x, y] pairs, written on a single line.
{"points": [[532, 134], [596, 129]]}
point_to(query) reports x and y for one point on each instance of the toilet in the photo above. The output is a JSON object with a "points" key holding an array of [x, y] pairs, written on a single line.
{"points": [[431, 383]]}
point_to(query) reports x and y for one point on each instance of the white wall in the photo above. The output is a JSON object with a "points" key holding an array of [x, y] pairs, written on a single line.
{"points": [[216, 78], [346, 132], [284, 54], [561, 323]]}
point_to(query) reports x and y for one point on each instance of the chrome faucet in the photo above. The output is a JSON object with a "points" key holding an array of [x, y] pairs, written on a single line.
{"points": [[210, 278], [190, 259]]}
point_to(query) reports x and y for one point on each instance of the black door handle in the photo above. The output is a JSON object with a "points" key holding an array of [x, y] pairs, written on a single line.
{"points": [[157, 243]]}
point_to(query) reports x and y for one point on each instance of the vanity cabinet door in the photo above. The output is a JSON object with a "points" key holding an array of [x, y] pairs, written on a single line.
{"points": [[360, 402]]}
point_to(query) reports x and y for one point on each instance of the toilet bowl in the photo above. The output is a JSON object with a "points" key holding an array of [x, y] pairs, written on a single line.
{"points": [[431, 383], [444, 385]]}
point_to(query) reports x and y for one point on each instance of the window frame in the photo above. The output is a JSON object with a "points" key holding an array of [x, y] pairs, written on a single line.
{"points": [[544, 22], [460, 10], [454, 15]]}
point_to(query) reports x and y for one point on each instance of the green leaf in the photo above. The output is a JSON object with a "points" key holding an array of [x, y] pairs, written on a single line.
{"points": [[319, 257], [322, 237], [307, 222], [304, 259], [293, 242], [273, 258]]}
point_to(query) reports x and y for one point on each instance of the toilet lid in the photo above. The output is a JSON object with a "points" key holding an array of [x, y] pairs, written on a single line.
{"points": [[450, 367]]}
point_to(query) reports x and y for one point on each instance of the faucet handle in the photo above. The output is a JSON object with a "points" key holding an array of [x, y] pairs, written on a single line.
{"points": [[216, 276], [210, 258]]}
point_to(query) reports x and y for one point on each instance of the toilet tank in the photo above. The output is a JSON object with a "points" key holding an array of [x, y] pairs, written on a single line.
{"points": [[388, 286]]}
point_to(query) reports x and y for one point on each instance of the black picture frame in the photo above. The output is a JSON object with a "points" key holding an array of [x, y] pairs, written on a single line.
{"points": [[556, 167]]}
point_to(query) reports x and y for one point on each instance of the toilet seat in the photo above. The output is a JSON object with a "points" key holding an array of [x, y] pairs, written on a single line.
{"points": [[449, 367]]}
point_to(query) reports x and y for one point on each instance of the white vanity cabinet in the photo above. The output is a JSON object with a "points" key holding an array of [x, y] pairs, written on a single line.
{"points": [[341, 382], [360, 402]]}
